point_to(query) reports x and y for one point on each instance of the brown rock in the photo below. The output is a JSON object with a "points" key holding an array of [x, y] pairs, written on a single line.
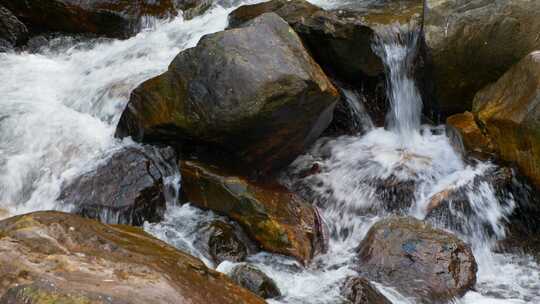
{"points": [[277, 219], [509, 112], [474, 42], [426, 263], [52, 257], [473, 137]]}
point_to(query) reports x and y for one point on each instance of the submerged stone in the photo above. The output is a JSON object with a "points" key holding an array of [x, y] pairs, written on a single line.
{"points": [[223, 243]]}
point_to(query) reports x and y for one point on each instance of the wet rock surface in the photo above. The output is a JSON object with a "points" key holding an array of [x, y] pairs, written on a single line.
{"points": [[52, 257], [509, 113], [223, 242], [474, 139], [358, 290], [203, 98], [273, 216], [110, 18], [473, 43], [128, 188], [426, 263], [12, 31], [253, 279], [340, 44]]}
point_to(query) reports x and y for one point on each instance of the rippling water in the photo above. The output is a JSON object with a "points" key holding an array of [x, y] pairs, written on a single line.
{"points": [[58, 113]]}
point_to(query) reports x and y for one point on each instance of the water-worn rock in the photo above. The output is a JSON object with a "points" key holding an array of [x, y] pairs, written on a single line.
{"points": [[359, 290], [340, 44], [127, 188], [222, 242], [12, 31], [509, 113], [420, 261], [52, 257], [111, 18], [252, 278], [474, 139], [253, 92], [271, 215], [473, 42]]}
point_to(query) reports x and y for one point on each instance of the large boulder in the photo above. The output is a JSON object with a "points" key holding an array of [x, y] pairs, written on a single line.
{"points": [[12, 31], [473, 42], [252, 278], [52, 257], [342, 40], [253, 92], [110, 18], [270, 214], [127, 188], [340, 44], [509, 113], [358, 290], [422, 262]]}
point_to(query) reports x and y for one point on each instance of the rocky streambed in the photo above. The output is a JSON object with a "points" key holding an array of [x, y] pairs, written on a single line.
{"points": [[279, 152]]}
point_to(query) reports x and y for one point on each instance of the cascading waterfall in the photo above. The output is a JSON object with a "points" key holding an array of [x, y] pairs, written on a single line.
{"points": [[397, 46], [59, 109]]}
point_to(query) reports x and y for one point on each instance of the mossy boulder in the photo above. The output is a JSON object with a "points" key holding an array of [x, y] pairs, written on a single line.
{"points": [[126, 188], [275, 218], [252, 92], [53, 257], [473, 43], [508, 111], [110, 18], [418, 260]]}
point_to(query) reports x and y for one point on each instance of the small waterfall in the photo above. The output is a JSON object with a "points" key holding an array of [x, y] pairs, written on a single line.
{"points": [[397, 47]]}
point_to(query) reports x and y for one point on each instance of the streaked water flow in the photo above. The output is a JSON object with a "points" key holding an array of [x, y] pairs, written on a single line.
{"points": [[59, 109]]}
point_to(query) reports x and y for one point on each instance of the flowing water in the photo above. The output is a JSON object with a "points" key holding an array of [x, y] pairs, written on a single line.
{"points": [[59, 109]]}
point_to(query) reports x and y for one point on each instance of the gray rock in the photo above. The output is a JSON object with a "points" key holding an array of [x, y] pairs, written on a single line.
{"points": [[128, 188], [253, 92], [253, 279]]}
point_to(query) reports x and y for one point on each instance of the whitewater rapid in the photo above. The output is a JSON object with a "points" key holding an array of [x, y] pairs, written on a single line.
{"points": [[59, 109]]}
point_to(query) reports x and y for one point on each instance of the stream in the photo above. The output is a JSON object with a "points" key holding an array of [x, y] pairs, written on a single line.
{"points": [[60, 108]]}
